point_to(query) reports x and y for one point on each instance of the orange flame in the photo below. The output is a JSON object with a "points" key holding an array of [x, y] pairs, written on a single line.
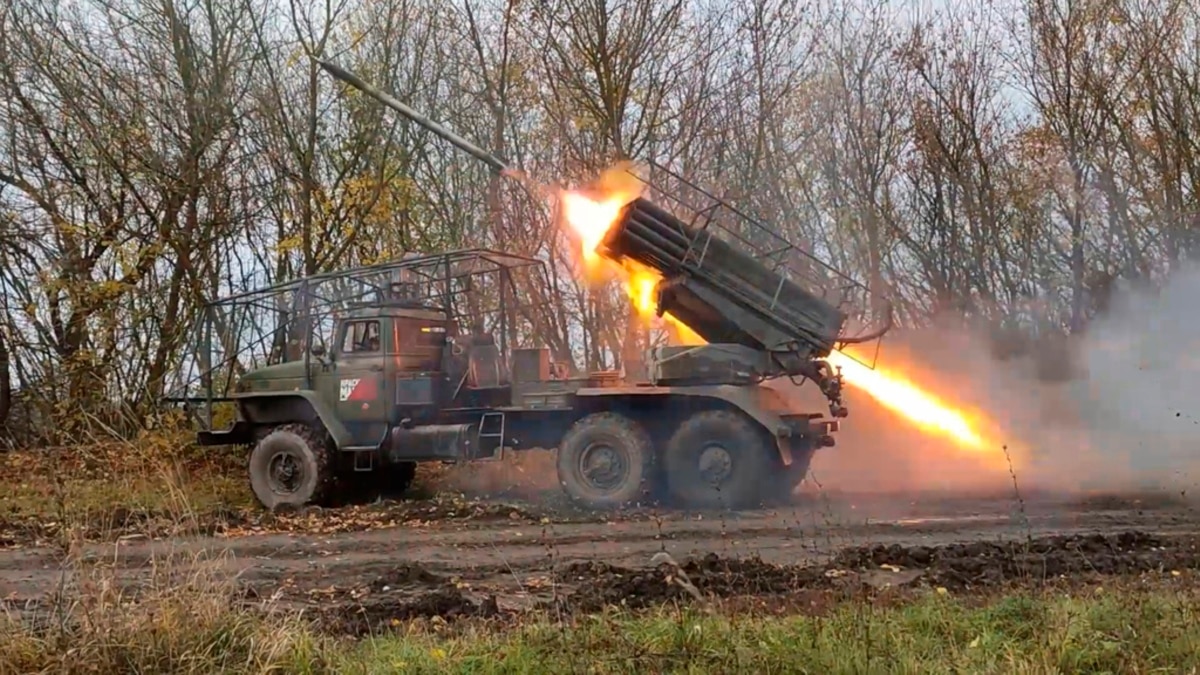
{"points": [[592, 211], [898, 394]]}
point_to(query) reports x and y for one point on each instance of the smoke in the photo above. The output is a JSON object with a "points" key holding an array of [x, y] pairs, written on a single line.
{"points": [[1137, 406], [1128, 420], [529, 475]]}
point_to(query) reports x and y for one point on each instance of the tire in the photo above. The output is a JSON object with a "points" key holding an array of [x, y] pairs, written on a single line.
{"points": [[747, 461], [309, 454], [616, 439]]}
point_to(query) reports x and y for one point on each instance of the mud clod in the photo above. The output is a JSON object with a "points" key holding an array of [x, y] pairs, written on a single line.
{"points": [[403, 574], [982, 564], [974, 565], [382, 614]]}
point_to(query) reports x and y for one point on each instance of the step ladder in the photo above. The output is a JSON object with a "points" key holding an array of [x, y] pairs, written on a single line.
{"points": [[364, 455], [491, 427]]}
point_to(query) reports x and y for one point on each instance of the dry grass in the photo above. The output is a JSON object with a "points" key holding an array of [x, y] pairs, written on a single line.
{"points": [[98, 490], [182, 619]]}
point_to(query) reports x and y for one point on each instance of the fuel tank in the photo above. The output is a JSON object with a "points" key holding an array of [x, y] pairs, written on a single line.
{"points": [[434, 441]]}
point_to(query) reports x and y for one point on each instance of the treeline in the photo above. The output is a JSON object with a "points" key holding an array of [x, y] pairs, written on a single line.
{"points": [[1001, 160]]}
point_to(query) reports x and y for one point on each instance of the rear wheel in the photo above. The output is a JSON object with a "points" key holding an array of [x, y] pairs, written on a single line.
{"points": [[604, 460], [719, 458], [291, 466]]}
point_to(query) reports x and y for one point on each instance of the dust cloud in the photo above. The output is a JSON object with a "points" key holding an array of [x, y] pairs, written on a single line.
{"points": [[1137, 406], [1126, 419], [528, 475]]}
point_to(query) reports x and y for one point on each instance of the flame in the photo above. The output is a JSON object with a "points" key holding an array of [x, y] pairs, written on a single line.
{"points": [[585, 217], [898, 394], [591, 211]]}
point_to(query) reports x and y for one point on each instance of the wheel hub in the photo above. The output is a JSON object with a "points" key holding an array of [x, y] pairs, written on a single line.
{"points": [[715, 464], [602, 466], [285, 473]]}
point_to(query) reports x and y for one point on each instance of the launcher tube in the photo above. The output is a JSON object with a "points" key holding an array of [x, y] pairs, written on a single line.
{"points": [[390, 101], [725, 293]]}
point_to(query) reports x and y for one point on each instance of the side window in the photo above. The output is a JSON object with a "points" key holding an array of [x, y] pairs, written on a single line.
{"points": [[361, 337], [431, 336], [420, 334]]}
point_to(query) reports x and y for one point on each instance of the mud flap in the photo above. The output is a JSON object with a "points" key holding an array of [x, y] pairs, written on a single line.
{"points": [[804, 434], [241, 433]]}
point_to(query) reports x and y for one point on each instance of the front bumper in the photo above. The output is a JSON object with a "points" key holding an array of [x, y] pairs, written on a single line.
{"points": [[240, 433]]}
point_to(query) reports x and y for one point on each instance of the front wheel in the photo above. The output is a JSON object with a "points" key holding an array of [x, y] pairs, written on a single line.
{"points": [[604, 461], [291, 466], [719, 459]]}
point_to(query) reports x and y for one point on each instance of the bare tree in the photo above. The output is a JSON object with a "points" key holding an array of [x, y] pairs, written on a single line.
{"points": [[607, 72], [866, 101], [972, 241], [154, 155], [1062, 57]]}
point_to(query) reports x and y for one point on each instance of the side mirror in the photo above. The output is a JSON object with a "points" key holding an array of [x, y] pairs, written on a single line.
{"points": [[317, 350]]}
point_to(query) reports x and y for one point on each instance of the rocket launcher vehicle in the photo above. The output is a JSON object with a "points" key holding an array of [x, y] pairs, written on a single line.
{"points": [[758, 322]]}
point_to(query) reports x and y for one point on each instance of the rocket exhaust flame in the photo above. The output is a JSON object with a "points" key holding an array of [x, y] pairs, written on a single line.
{"points": [[906, 398], [590, 212]]}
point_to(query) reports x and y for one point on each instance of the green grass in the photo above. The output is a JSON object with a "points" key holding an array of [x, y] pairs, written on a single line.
{"points": [[1120, 633], [189, 630]]}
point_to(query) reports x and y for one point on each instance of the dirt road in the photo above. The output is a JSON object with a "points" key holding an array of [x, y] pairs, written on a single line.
{"points": [[512, 556]]}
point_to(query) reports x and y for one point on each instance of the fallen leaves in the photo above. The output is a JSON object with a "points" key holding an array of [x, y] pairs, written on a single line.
{"points": [[123, 524], [422, 514]]}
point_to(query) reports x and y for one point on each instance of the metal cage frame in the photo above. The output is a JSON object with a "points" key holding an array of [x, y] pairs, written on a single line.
{"points": [[448, 282], [711, 216]]}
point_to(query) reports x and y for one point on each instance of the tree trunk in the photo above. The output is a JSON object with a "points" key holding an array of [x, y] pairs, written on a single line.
{"points": [[5, 386]]}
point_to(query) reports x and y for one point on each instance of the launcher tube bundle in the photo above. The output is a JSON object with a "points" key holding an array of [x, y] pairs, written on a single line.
{"points": [[723, 294]]}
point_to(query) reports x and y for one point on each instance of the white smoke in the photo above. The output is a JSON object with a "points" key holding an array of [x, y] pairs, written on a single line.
{"points": [[1130, 421], [1138, 403]]}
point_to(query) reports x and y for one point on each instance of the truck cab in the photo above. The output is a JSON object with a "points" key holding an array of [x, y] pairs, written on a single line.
{"points": [[398, 365], [386, 365]]}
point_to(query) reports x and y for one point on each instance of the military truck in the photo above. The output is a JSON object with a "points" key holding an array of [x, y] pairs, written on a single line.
{"points": [[372, 370]]}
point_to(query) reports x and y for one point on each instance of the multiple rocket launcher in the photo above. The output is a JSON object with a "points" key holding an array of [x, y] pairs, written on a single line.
{"points": [[741, 307]]}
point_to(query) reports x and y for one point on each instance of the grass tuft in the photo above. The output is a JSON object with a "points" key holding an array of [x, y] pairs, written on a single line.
{"points": [[1132, 631], [183, 619]]}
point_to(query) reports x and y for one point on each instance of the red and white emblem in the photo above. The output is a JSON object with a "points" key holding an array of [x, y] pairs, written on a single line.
{"points": [[357, 389]]}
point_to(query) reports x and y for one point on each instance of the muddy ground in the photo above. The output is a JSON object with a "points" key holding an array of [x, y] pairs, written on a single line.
{"points": [[366, 566]]}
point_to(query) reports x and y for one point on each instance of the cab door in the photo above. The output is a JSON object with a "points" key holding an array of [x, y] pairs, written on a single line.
{"points": [[361, 382]]}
